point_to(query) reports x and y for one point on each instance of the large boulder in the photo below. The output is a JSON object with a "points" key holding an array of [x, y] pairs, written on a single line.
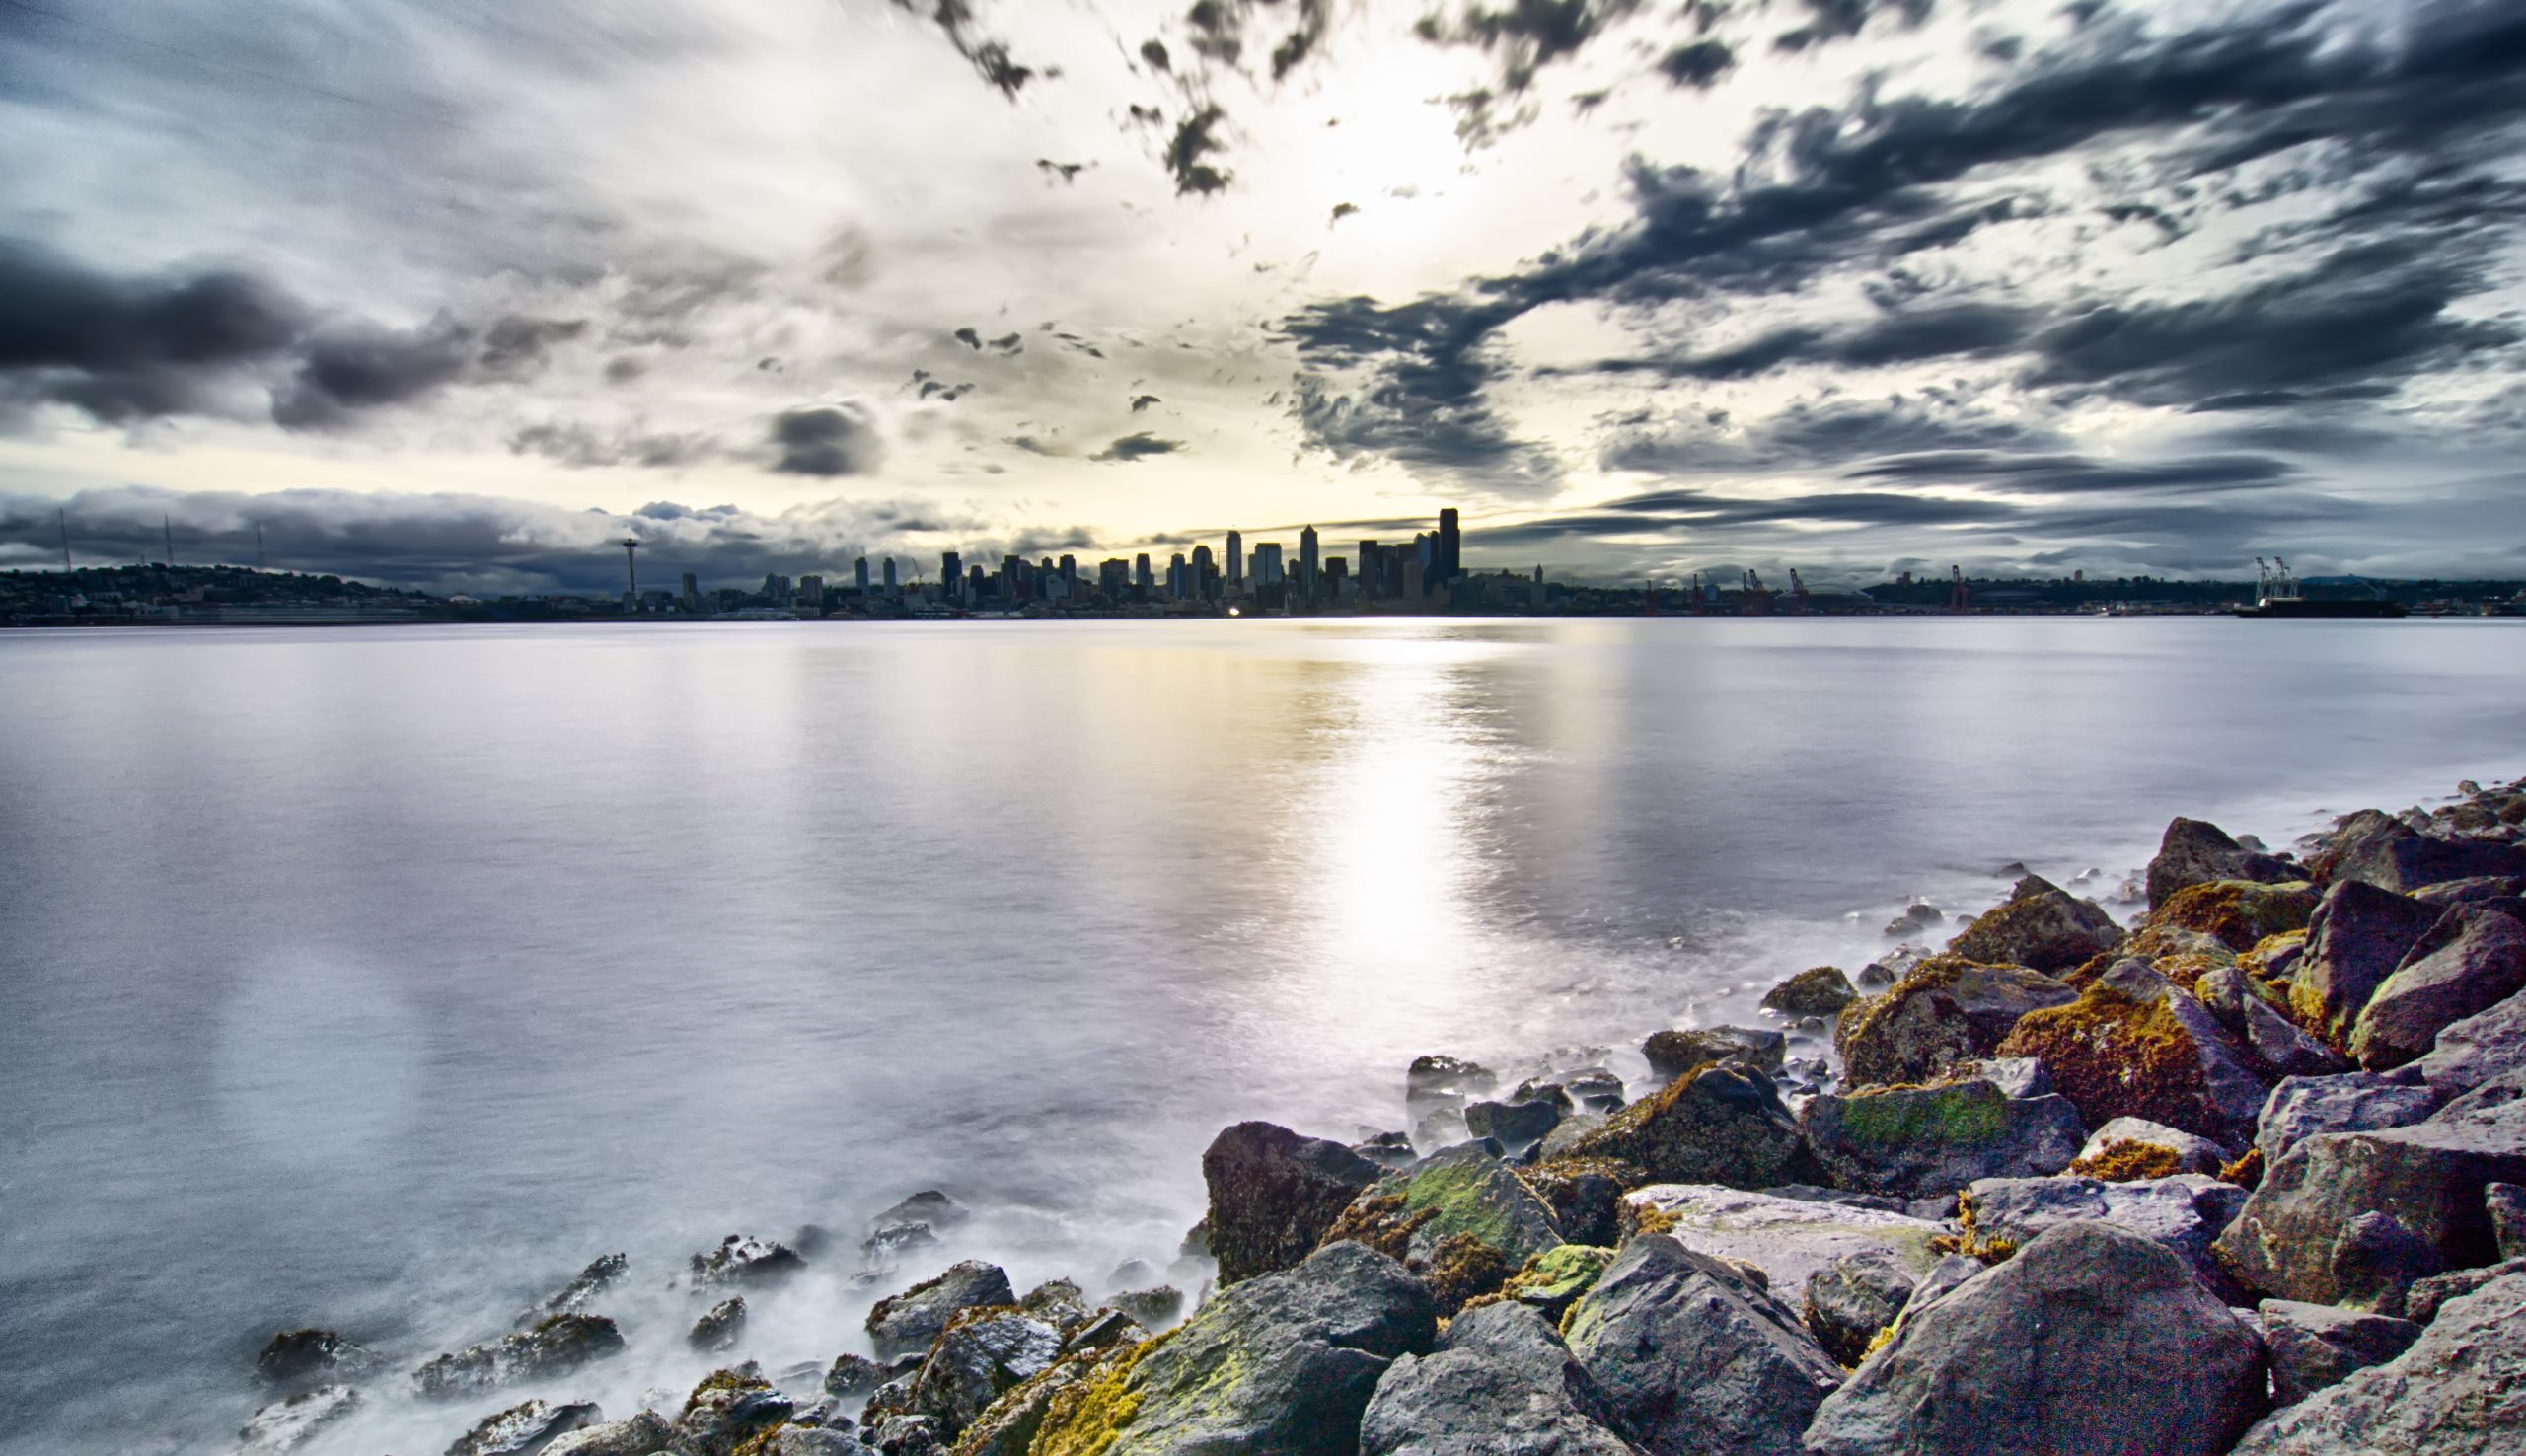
{"points": [[2459, 1390], [1694, 1358], [1671, 1054], [2301, 1235], [979, 1356], [1500, 1381], [2181, 1213], [2128, 1148], [1719, 1124], [2314, 1345], [1461, 1220], [2478, 1050], [1516, 1126], [2281, 1048], [2195, 851], [2471, 961], [557, 1345], [639, 1435], [2393, 856], [911, 1320], [1274, 1194], [1281, 1365], [1949, 1010], [1920, 1141], [2040, 925], [1850, 1300], [2048, 1352], [2355, 939], [1820, 990], [1789, 1239], [2237, 914], [525, 1430], [2133, 1045], [1584, 1193], [2301, 1108]]}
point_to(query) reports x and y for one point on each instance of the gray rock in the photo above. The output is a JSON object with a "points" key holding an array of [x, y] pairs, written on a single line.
{"points": [[1449, 1075], [1927, 1140], [2459, 1390], [1722, 1123], [2314, 1345], [2467, 892], [2284, 1050], [525, 1430], [1595, 1089], [911, 1320], [2041, 926], [719, 1329], [574, 1297], [2048, 1352], [2397, 858], [1945, 1012], [558, 1345], [2135, 1045], [2195, 851], [854, 1374], [2422, 1302], [1821, 991], [2471, 961], [2505, 1203], [743, 1260], [1282, 1365], [2357, 936], [1391, 1150], [1500, 1383], [2300, 1108], [2478, 1050], [641, 1435], [1790, 1239], [1274, 1192], [2183, 1213], [1516, 1125], [1566, 1136], [2016, 1076], [1152, 1308], [1915, 919], [975, 1361], [294, 1360], [2192, 1154], [1945, 1277], [800, 1441], [729, 1408], [289, 1425], [1671, 1054], [1694, 1358], [902, 1434], [1849, 1300]]}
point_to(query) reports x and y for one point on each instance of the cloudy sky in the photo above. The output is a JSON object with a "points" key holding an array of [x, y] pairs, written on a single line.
{"points": [[455, 292]]}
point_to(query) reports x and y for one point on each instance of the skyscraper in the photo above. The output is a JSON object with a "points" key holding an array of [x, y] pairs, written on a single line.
{"points": [[1451, 546], [951, 573], [890, 576], [811, 592], [692, 592], [1205, 576], [860, 576], [1140, 572], [1309, 564], [1236, 560]]}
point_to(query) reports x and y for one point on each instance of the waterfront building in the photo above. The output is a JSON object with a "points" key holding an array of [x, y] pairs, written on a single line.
{"points": [[1310, 566], [890, 577], [1236, 560], [692, 592], [860, 576]]}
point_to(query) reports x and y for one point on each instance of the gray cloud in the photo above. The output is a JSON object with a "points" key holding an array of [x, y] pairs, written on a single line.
{"points": [[826, 441], [1139, 446]]}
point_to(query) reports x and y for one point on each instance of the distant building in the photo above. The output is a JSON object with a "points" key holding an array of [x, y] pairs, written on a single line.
{"points": [[811, 592], [692, 592], [1451, 546], [860, 577], [1310, 567], [889, 567], [1267, 563], [1236, 560], [952, 572], [1114, 578], [1204, 582], [1139, 572]]}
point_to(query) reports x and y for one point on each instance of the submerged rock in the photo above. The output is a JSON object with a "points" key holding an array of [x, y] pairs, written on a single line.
{"points": [[1517, 1125], [1923, 1140], [1281, 1365], [911, 1320], [1692, 1356], [1947, 1011], [913, 1223], [2459, 1390], [557, 1345], [722, 1328], [2133, 1045], [1673, 1053], [290, 1423], [2050, 1352], [2471, 961], [1720, 1124], [1821, 991], [2041, 926], [2314, 1345], [602, 1274], [2194, 851], [1499, 1380], [1274, 1192], [296, 1359], [1152, 1308], [525, 1430], [744, 1260]]}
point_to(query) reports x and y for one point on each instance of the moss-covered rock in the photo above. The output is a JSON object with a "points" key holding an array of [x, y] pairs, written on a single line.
{"points": [[1553, 1279], [1820, 990], [1721, 1123], [2195, 851], [1585, 1195], [1274, 1194], [1947, 1011], [2239, 913], [2042, 927], [1461, 1220], [1920, 1141], [2134, 1046]]}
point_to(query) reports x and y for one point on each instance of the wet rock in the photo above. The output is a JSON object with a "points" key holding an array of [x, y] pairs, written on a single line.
{"points": [[2044, 1352], [798, 1440], [1461, 1221], [1564, 1139], [1594, 1089], [294, 1360], [729, 1408], [1449, 1075], [2467, 891], [852, 1375], [289, 1425], [558, 1345], [2430, 1178], [1849, 1300], [2459, 1390], [1917, 1141], [1915, 919], [742, 1260], [911, 1320], [575, 1296], [2300, 1108], [1060, 1303], [722, 1328], [1692, 1356], [1789, 1239], [1552, 1281], [2471, 961], [525, 1430], [1152, 1309], [1391, 1150], [2133, 1045], [1821, 991], [1947, 1011], [1010, 1426], [1671, 1054], [1721, 1123], [2357, 936], [901, 1434], [2427, 1296], [980, 1356], [2041, 926], [2126, 1149], [1584, 1193], [639, 1435], [1274, 1194], [2505, 1203], [2183, 1213], [914, 1223], [2282, 1048], [2478, 1050], [1281, 1365], [2392, 857], [1499, 1381], [2314, 1345], [2237, 914], [1516, 1125], [2195, 851]]}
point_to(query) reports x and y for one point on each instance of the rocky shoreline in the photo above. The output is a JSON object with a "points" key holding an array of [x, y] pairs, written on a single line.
{"points": [[2248, 1175]]}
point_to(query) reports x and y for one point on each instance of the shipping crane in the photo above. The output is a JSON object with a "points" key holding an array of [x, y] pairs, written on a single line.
{"points": [[1959, 597], [1797, 590]]}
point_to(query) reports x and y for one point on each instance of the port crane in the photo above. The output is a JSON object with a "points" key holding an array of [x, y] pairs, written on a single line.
{"points": [[1958, 596], [1797, 590]]}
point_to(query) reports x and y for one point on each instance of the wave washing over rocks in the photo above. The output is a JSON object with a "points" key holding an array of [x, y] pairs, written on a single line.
{"points": [[2248, 1175]]}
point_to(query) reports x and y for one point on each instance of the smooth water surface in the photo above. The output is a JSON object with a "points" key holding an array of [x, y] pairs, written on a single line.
{"points": [[380, 978]]}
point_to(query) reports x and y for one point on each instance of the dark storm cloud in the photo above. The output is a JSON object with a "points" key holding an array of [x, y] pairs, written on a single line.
{"points": [[516, 346], [359, 367], [1526, 36], [990, 58], [1699, 64], [825, 440], [1194, 139], [1896, 337], [132, 348], [1838, 20], [1814, 433], [1138, 446], [2074, 473]]}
